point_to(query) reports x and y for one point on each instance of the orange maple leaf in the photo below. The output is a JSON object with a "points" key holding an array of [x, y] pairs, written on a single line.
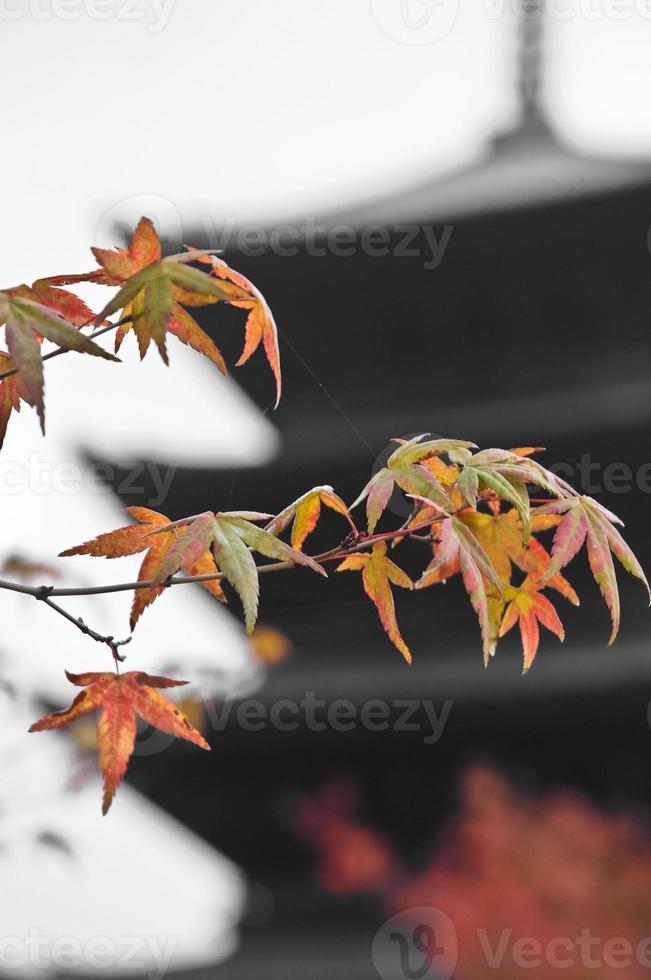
{"points": [[305, 513], [119, 264], [500, 537], [119, 698], [134, 538], [62, 301], [260, 324], [200, 545], [9, 395], [153, 303], [528, 607], [378, 573], [154, 290]]}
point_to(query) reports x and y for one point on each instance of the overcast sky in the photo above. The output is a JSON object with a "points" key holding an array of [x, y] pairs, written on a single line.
{"points": [[254, 109]]}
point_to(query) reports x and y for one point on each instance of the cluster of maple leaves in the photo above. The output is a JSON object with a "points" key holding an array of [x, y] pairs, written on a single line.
{"points": [[152, 296], [474, 508]]}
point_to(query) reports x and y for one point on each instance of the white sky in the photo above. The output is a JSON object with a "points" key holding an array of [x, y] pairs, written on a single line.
{"points": [[255, 109]]}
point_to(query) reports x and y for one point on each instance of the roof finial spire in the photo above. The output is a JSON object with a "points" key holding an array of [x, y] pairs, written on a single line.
{"points": [[531, 36]]}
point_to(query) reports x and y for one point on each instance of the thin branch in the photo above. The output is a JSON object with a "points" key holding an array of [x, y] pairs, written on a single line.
{"points": [[341, 551], [43, 595]]}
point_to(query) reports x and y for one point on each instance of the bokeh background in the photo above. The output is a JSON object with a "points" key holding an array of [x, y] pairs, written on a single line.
{"points": [[448, 210]]}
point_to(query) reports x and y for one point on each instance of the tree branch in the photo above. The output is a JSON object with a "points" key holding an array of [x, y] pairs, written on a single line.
{"points": [[355, 542], [43, 595], [362, 542]]}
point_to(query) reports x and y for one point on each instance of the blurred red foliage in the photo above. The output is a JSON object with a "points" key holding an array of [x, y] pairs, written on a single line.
{"points": [[353, 857], [550, 883]]}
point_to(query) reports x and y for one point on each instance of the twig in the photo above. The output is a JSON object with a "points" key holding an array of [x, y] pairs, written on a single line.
{"points": [[363, 542], [354, 542], [43, 594]]}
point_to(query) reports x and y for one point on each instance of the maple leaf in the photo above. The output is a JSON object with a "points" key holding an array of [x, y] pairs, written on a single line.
{"points": [[585, 520], [148, 299], [260, 325], [412, 450], [232, 536], [378, 574], [305, 513], [154, 290], [505, 474], [405, 469], [134, 538], [458, 548], [500, 535], [446, 473], [119, 698], [26, 323], [377, 492], [118, 265], [151, 288], [69, 306], [527, 607], [188, 331], [9, 395]]}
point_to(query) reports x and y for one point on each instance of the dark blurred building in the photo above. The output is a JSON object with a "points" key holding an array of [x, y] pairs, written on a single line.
{"points": [[533, 329]]}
